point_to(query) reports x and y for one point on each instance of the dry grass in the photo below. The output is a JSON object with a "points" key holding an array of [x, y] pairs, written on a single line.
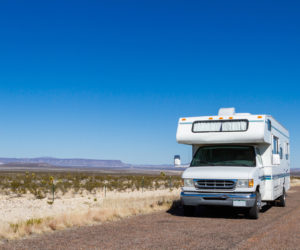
{"points": [[113, 208], [295, 181]]}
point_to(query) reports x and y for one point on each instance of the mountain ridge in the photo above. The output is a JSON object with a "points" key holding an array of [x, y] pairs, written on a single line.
{"points": [[66, 162], [79, 162]]}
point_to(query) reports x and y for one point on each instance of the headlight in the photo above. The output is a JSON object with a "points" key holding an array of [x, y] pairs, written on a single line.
{"points": [[188, 182], [245, 183]]}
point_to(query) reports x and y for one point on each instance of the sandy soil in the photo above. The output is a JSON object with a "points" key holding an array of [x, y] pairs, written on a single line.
{"points": [[15, 209]]}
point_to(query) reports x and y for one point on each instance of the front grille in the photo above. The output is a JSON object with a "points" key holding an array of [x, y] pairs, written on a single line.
{"points": [[215, 184]]}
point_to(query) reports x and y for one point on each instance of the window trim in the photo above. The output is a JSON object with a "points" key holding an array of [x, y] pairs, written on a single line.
{"points": [[221, 121]]}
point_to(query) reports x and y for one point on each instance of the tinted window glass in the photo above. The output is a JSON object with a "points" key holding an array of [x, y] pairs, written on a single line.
{"points": [[275, 145], [269, 125], [224, 156], [259, 156]]}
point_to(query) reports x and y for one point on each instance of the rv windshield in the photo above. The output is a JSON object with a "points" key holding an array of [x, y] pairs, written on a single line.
{"points": [[224, 156]]}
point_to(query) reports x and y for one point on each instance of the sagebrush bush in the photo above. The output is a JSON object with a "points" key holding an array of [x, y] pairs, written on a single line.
{"points": [[41, 184]]}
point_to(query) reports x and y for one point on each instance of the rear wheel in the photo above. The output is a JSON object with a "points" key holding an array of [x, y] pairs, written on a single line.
{"points": [[188, 210], [281, 199], [253, 212]]}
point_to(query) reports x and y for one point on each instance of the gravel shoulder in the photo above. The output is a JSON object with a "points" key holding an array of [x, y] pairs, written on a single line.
{"points": [[211, 228]]}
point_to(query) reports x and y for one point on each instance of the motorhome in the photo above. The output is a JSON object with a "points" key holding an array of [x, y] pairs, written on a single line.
{"points": [[239, 160]]}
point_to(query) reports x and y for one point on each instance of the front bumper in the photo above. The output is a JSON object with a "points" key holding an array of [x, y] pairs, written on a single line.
{"points": [[218, 199]]}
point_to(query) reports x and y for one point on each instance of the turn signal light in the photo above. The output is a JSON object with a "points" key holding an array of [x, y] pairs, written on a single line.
{"points": [[221, 118], [210, 118], [251, 183], [183, 119], [259, 116]]}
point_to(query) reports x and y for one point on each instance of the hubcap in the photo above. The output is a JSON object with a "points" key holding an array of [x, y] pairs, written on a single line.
{"points": [[258, 203]]}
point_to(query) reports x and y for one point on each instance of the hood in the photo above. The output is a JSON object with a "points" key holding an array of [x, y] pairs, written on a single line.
{"points": [[219, 172]]}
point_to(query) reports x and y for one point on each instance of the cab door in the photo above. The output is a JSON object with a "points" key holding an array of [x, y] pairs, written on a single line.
{"points": [[260, 166]]}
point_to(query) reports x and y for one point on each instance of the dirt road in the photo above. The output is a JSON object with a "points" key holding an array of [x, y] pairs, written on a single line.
{"points": [[213, 228]]}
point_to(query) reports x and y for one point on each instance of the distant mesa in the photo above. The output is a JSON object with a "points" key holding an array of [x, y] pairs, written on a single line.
{"points": [[65, 162], [77, 163]]}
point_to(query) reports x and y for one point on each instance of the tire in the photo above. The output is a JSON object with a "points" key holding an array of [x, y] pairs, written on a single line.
{"points": [[253, 212], [188, 210], [281, 199]]}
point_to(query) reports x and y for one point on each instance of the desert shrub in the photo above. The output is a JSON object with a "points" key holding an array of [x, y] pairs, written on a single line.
{"points": [[31, 222], [40, 184]]}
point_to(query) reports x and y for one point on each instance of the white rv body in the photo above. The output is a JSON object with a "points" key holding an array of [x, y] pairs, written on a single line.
{"points": [[270, 141]]}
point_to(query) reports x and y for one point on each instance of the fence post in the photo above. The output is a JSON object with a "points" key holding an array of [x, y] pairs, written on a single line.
{"points": [[53, 187], [53, 190]]}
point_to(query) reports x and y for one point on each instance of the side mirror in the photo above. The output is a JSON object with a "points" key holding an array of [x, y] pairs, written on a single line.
{"points": [[276, 159], [177, 161]]}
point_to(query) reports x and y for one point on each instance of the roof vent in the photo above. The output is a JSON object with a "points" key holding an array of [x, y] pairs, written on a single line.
{"points": [[242, 114], [226, 111]]}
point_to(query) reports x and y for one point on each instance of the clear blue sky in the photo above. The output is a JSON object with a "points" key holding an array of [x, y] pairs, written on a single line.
{"points": [[109, 79]]}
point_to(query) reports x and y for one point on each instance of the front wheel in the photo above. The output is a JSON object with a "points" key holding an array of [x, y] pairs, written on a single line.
{"points": [[254, 211], [188, 210]]}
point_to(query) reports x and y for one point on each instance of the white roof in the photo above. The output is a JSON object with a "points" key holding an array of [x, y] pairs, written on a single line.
{"points": [[255, 133]]}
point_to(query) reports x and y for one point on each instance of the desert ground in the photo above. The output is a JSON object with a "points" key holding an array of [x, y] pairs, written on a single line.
{"points": [[34, 203], [277, 228], [95, 221], [14, 209]]}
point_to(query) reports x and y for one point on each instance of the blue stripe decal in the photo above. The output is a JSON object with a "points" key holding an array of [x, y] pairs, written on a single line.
{"points": [[280, 132], [273, 177]]}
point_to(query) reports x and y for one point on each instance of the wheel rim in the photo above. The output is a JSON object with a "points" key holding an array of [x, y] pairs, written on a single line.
{"points": [[258, 202]]}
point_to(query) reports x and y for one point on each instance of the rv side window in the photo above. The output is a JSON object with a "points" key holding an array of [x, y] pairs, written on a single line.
{"points": [[287, 151], [269, 125], [281, 153], [259, 156], [275, 145]]}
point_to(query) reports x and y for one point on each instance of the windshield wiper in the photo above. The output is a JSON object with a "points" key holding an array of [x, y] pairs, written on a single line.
{"points": [[232, 163], [204, 163]]}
